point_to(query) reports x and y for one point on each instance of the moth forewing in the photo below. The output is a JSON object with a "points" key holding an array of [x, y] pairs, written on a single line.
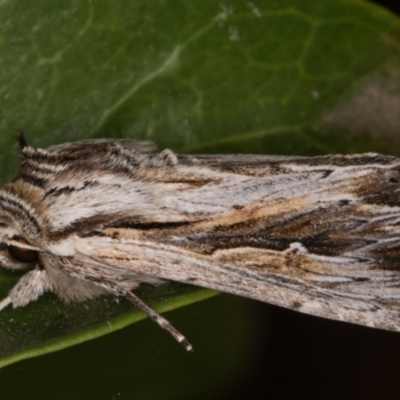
{"points": [[320, 235], [293, 279], [288, 231]]}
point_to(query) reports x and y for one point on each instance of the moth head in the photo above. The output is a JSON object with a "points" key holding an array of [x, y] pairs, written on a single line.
{"points": [[15, 251], [20, 228]]}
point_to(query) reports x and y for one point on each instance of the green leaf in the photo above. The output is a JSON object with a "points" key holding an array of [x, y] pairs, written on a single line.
{"points": [[276, 77], [48, 326]]}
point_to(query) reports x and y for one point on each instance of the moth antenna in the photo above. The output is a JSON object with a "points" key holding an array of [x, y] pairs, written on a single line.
{"points": [[21, 139], [161, 321], [5, 302]]}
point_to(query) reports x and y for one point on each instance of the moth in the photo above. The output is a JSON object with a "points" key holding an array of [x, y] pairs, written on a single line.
{"points": [[318, 235]]}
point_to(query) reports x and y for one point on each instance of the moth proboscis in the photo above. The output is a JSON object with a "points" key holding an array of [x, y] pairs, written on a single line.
{"points": [[319, 235]]}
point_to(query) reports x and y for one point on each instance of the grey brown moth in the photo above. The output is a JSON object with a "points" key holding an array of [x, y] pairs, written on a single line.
{"points": [[319, 235]]}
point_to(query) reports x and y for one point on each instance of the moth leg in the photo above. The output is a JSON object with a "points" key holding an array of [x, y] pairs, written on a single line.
{"points": [[116, 289], [31, 286], [161, 321], [5, 302]]}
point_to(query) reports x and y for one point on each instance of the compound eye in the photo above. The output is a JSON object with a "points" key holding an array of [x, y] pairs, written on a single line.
{"points": [[21, 254]]}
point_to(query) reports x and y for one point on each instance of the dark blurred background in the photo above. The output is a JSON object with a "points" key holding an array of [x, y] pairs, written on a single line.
{"points": [[392, 5]]}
